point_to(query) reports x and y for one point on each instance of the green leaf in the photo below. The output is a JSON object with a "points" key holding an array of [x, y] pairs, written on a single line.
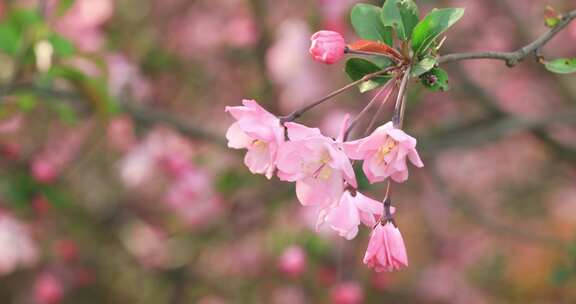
{"points": [[423, 66], [10, 39], [25, 18], [66, 113], [26, 102], [436, 80], [401, 15], [434, 24], [356, 68], [63, 6], [562, 65], [367, 24], [62, 46], [561, 275]]}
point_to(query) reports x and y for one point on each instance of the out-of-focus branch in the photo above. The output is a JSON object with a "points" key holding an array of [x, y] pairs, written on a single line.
{"points": [[151, 116], [511, 124], [141, 114], [512, 58], [479, 217], [490, 130], [258, 8]]}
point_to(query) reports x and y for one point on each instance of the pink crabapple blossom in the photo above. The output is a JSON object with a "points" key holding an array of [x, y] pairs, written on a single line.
{"points": [[353, 210], [317, 165], [327, 46], [386, 250], [384, 153], [257, 131]]}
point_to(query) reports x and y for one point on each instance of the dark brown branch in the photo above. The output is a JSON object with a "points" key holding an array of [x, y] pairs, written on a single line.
{"points": [[512, 58]]}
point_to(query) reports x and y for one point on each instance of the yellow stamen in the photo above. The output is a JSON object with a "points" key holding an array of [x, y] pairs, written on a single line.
{"points": [[384, 150]]}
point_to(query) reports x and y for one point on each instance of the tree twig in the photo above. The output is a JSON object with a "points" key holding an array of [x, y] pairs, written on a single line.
{"points": [[512, 58], [296, 114]]}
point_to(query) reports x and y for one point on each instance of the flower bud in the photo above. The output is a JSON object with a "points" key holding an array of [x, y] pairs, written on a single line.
{"points": [[327, 46]]}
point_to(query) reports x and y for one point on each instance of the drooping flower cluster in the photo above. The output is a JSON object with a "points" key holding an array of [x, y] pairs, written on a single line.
{"points": [[322, 170]]}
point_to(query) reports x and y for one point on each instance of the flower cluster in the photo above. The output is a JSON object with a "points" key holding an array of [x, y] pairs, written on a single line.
{"points": [[321, 167]]}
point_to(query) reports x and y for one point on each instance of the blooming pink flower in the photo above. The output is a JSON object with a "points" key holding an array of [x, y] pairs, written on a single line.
{"points": [[316, 164], [384, 153], [192, 197], [347, 293], [48, 289], [386, 250], [327, 46], [258, 131], [17, 247], [350, 211], [293, 261]]}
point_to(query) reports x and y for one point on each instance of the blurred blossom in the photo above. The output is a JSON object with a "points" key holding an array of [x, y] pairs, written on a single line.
{"points": [[83, 23], [241, 31], [288, 295], [192, 198], [244, 258], [11, 124], [292, 68], [141, 164], [148, 244], [48, 289], [347, 293], [445, 284], [17, 249], [293, 261], [334, 14], [120, 133], [59, 149], [124, 76], [198, 33]]}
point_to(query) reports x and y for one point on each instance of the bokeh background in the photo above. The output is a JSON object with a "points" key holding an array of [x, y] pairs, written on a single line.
{"points": [[116, 185]]}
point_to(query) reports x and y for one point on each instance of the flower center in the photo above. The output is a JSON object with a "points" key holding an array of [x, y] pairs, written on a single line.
{"points": [[323, 171], [258, 144], [385, 149]]}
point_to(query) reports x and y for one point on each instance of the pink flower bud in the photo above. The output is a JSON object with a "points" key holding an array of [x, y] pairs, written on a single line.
{"points": [[327, 46], [43, 171], [48, 289], [386, 250], [347, 293], [293, 261]]}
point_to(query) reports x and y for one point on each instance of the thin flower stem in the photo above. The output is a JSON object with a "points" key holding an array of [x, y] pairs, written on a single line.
{"points": [[380, 109], [296, 114], [398, 117], [366, 53], [366, 109]]}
